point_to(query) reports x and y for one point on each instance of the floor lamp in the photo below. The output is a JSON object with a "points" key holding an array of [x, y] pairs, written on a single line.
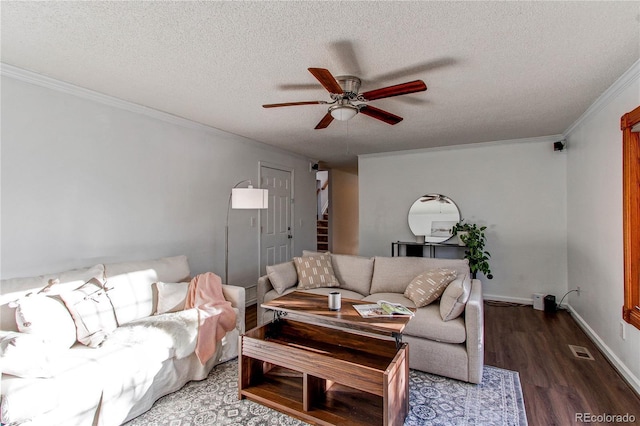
{"points": [[242, 198]]}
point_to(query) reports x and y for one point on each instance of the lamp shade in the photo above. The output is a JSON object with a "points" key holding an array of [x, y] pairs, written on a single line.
{"points": [[249, 198]]}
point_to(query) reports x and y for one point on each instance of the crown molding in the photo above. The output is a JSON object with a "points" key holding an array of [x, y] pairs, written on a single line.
{"points": [[629, 77], [540, 139], [41, 80]]}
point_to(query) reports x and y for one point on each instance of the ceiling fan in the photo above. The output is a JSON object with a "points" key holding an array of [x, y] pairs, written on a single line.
{"points": [[346, 102]]}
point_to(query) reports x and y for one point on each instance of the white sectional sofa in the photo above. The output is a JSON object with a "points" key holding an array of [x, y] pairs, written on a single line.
{"points": [[148, 355], [453, 347]]}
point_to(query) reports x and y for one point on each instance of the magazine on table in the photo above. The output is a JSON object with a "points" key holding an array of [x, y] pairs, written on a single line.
{"points": [[383, 309]]}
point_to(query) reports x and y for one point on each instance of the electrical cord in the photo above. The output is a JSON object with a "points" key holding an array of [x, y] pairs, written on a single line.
{"points": [[565, 295]]}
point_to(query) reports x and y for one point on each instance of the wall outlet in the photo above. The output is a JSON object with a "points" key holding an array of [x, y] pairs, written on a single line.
{"points": [[623, 330], [578, 288]]}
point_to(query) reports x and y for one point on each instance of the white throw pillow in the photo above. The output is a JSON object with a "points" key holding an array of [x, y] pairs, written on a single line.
{"points": [[28, 355], [171, 297], [46, 317], [92, 313], [455, 297]]}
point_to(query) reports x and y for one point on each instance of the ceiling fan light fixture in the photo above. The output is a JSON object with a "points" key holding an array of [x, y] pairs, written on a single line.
{"points": [[343, 112]]}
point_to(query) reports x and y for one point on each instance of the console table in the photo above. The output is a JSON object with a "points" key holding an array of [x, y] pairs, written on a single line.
{"points": [[411, 248]]}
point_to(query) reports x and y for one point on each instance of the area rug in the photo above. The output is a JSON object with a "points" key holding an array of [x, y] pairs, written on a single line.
{"points": [[433, 400]]}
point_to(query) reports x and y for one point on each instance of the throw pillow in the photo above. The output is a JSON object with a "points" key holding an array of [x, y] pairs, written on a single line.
{"points": [[171, 297], [28, 355], [282, 276], [428, 286], [92, 313], [315, 272], [454, 298], [46, 317], [353, 272]]}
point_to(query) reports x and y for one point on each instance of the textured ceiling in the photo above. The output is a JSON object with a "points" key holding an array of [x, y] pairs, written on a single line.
{"points": [[494, 70]]}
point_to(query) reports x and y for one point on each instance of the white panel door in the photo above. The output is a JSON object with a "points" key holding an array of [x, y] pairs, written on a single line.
{"points": [[276, 222]]}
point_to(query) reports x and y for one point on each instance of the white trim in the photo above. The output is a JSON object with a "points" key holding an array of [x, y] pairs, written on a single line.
{"points": [[540, 139], [519, 300], [633, 381], [629, 77], [36, 79]]}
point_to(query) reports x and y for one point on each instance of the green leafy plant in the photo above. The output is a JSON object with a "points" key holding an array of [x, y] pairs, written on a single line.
{"points": [[474, 239]]}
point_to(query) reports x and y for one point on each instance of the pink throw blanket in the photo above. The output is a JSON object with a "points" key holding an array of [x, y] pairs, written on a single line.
{"points": [[215, 314]]}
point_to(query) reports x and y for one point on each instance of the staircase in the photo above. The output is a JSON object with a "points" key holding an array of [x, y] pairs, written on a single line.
{"points": [[323, 233]]}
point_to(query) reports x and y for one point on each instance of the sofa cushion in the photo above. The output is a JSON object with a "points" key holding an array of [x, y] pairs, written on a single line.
{"points": [[132, 294], [353, 272], [173, 269], [393, 274], [28, 355], [454, 298], [315, 271], [46, 317], [429, 285], [427, 323], [282, 276], [171, 296], [323, 291], [92, 313]]}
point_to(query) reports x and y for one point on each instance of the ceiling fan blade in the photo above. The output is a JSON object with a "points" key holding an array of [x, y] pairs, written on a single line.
{"points": [[293, 104], [379, 114], [324, 123], [397, 90], [326, 79]]}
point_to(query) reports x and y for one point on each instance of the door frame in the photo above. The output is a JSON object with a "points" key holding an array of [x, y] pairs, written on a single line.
{"points": [[291, 170]]}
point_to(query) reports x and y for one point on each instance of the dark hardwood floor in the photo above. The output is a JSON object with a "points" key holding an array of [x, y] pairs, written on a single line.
{"points": [[556, 385]]}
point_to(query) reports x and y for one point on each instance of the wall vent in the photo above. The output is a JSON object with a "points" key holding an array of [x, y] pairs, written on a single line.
{"points": [[581, 352]]}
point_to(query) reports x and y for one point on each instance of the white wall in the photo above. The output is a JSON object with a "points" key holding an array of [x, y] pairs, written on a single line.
{"points": [[515, 188], [594, 217], [88, 179]]}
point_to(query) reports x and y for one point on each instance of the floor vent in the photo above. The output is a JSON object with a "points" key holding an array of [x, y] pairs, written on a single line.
{"points": [[581, 352]]}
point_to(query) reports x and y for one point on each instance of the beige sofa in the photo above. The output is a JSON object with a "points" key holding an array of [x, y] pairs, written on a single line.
{"points": [[452, 348], [50, 379]]}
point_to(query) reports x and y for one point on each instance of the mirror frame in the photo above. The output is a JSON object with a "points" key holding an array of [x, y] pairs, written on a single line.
{"points": [[437, 198]]}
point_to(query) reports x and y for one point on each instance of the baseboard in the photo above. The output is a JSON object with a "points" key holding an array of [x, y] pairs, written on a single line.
{"points": [[628, 376], [519, 300]]}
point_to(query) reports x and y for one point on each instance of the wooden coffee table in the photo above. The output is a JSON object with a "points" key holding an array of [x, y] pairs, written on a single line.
{"points": [[314, 308], [327, 367]]}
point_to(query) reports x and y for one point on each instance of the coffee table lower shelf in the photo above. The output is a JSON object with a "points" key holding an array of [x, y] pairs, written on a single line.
{"points": [[325, 376]]}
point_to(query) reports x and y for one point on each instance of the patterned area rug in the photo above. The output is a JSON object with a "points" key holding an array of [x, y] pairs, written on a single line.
{"points": [[433, 400]]}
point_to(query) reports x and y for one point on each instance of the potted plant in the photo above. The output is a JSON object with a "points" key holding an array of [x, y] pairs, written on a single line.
{"points": [[474, 239]]}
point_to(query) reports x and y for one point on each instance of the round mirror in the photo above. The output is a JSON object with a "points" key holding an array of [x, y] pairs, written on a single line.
{"points": [[433, 215]]}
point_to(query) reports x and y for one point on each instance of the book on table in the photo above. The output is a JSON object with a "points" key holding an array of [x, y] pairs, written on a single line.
{"points": [[383, 309]]}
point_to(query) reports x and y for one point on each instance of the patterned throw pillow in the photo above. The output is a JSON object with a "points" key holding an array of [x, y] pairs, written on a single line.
{"points": [[315, 271], [429, 285], [92, 312]]}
